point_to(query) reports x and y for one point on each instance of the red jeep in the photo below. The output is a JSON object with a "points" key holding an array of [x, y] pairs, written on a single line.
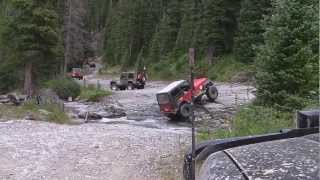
{"points": [[174, 100], [77, 73]]}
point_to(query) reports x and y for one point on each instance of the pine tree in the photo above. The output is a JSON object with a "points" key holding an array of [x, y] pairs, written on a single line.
{"points": [[165, 38], [214, 19], [231, 23], [189, 26], [287, 64], [250, 33], [31, 35]]}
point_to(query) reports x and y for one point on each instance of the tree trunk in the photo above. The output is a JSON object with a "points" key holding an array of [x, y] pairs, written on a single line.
{"points": [[28, 79], [67, 29], [210, 55]]}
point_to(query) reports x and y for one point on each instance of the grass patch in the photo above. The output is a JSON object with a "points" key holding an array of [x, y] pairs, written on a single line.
{"points": [[48, 112], [226, 67], [253, 120], [91, 93]]}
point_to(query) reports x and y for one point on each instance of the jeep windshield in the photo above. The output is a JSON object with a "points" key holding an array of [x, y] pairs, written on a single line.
{"points": [[131, 75]]}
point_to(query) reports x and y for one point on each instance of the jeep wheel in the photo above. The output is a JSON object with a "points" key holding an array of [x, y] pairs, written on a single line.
{"points": [[185, 110], [212, 93], [113, 87], [130, 86]]}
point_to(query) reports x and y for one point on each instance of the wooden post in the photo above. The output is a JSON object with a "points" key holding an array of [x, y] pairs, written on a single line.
{"points": [[98, 85], [192, 56]]}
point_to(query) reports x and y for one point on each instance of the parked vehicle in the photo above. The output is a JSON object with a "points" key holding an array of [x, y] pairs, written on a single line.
{"points": [[174, 100], [289, 154], [130, 81], [92, 65], [77, 73]]}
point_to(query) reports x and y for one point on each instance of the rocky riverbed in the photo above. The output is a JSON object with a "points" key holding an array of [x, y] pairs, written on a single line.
{"points": [[139, 107], [123, 137]]}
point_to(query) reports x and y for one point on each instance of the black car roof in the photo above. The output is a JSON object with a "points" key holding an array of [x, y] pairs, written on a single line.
{"points": [[293, 158]]}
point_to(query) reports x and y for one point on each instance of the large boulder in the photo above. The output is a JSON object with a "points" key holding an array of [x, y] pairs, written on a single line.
{"points": [[4, 99], [15, 99]]}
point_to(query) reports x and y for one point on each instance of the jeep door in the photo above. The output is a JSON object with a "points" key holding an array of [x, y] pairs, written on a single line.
{"points": [[124, 79]]}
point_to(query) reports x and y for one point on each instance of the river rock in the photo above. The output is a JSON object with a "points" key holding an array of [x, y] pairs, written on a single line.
{"points": [[91, 115], [113, 112], [30, 116], [14, 98]]}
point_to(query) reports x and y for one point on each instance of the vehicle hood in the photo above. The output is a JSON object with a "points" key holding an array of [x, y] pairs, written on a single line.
{"points": [[294, 158]]}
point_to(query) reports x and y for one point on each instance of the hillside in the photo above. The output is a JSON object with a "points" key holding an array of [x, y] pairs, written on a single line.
{"points": [[237, 41]]}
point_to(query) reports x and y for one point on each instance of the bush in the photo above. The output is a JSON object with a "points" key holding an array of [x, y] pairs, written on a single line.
{"points": [[64, 87], [254, 120], [288, 62], [93, 94]]}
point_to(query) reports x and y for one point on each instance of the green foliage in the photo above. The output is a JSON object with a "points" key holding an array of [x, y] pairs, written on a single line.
{"points": [[33, 28], [145, 32], [91, 93], [98, 11], [226, 67], [250, 34], [214, 18], [9, 76], [28, 34], [253, 120], [287, 64], [165, 37], [64, 87]]}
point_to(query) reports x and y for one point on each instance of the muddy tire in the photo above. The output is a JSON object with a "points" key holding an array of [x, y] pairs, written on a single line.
{"points": [[185, 110], [130, 86], [212, 93], [113, 87]]}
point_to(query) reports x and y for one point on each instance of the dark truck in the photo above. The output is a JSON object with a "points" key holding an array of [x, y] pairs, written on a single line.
{"points": [[130, 81], [174, 100], [290, 154]]}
